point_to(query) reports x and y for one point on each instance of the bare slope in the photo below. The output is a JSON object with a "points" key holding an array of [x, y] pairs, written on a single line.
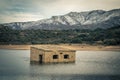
{"points": [[73, 20]]}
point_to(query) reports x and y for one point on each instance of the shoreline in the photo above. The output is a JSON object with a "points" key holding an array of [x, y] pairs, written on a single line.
{"points": [[80, 47]]}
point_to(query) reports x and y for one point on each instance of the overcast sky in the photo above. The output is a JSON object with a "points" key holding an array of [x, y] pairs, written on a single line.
{"points": [[32, 10]]}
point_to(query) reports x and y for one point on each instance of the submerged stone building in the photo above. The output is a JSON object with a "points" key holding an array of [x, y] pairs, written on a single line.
{"points": [[51, 54]]}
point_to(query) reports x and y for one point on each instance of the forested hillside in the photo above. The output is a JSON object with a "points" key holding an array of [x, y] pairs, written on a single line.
{"points": [[109, 36]]}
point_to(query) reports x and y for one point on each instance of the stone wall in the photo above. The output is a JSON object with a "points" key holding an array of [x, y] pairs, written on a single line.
{"points": [[47, 56], [34, 54]]}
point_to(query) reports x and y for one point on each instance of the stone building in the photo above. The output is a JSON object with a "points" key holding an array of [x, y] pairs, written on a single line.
{"points": [[51, 54]]}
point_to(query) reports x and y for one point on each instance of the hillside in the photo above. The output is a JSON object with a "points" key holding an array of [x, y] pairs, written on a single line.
{"points": [[110, 36], [73, 20]]}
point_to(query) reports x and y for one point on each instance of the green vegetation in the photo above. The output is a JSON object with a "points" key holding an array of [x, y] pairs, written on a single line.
{"points": [[109, 36]]}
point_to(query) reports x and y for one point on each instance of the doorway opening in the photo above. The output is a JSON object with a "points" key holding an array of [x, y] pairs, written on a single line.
{"points": [[40, 58]]}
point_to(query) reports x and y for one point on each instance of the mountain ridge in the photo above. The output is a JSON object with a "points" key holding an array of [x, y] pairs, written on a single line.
{"points": [[73, 20]]}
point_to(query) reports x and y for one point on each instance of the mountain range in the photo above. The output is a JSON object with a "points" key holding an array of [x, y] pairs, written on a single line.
{"points": [[73, 20]]}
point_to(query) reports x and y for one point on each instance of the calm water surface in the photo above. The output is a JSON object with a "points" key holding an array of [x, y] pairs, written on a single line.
{"points": [[89, 65]]}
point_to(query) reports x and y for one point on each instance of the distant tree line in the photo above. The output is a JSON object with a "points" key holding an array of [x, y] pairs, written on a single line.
{"points": [[109, 36]]}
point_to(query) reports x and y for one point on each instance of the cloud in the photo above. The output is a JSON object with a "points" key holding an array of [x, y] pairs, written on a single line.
{"points": [[29, 10], [59, 7], [19, 17]]}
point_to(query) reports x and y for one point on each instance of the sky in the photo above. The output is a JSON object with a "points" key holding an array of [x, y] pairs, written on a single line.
{"points": [[33, 10]]}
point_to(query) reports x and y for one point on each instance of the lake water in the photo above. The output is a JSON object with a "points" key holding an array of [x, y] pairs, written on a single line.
{"points": [[89, 65]]}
